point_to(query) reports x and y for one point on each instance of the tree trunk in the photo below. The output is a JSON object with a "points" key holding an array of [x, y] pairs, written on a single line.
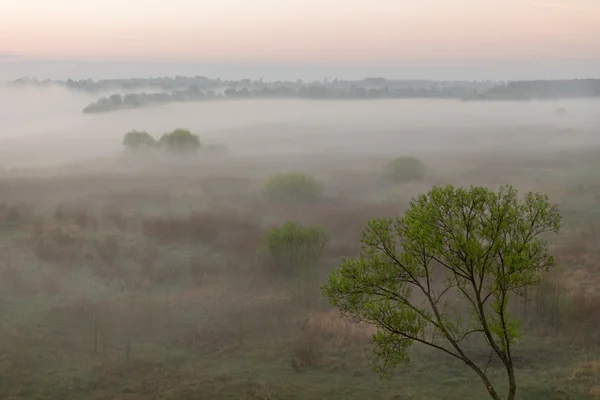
{"points": [[488, 385], [512, 384]]}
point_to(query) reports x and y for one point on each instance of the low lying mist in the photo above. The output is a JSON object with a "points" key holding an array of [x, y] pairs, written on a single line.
{"points": [[44, 125]]}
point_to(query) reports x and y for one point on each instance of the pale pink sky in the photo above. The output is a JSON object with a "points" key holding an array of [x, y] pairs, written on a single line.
{"points": [[302, 30]]}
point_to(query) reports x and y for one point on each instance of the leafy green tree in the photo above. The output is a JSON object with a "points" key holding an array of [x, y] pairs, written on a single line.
{"points": [[180, 140], [138, 140], [292, 187], [294, 247], [471, 249], [405, 169], [293, 250]]}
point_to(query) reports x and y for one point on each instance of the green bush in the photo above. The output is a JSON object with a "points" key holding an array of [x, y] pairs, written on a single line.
{"points": [[405, 169], [138, 140], [293, 248], [179, 140], [292, 186]]}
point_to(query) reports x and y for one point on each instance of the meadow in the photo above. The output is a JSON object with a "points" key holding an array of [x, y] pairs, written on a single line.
{"points": [[141, 277]]}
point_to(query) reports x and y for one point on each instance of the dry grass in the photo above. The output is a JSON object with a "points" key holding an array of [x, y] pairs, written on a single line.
{"points": [[338, 331], [324, 332], [588, 371], [175, 293]]}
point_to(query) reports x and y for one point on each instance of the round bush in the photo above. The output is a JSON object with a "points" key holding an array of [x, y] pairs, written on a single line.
{"points": [[291, 187], [180, 140], [405, 169], [138, 140]]}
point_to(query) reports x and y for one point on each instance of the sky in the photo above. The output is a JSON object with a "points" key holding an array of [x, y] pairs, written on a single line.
{"points": [[349, 32]]}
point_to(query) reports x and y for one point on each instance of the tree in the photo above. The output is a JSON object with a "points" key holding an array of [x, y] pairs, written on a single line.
{"points": [[405, 169], [138, 140], [180, 140], [473, 248], [294, 247], [115, 100], [291, 187], [294, 250]]}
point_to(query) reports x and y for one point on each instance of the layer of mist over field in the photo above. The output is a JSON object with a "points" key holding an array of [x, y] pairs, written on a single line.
{"points": [[151, 271], [45, 125]]}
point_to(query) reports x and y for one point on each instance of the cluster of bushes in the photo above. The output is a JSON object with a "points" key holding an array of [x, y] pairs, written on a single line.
{"points": [[206, 227], [290, 251], [292, 187], [179, 140]]}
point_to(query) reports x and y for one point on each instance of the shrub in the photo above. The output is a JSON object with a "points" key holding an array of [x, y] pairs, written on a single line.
{"points": [[57, 245], [308, 349], [405, 169], [292, 186], [108, 250], [165, 230], [179, 140], [293, 248], [112, 216], [105, 254], [228, 230], [12, 214], [138, 140]]}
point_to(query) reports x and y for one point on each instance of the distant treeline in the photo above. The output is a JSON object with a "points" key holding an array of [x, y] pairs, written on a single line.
{"points": [[185, 89], [218, 85]]}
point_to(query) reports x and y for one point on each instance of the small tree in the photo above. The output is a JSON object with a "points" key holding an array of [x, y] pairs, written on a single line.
{"points": [[291, 187], [405, 169], [473, 248], [138, 140], [180, 140], [294, 250]]}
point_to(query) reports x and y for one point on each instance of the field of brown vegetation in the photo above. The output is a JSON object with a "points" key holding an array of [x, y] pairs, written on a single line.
{"points": [[143, 279]]}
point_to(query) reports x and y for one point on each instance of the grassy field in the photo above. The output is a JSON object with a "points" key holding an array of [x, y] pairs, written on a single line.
{"points": [[140, 279]]}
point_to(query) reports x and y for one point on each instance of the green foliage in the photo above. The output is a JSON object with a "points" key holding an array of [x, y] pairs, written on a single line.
{"points": [[179, 140], [292, 186], [138, 140], [453, 250], [293, 247], [405, 169]]}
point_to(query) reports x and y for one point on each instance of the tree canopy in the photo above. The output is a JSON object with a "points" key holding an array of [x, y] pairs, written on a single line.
{"points": [[294, 247], [292, 187], [447, 270], [405, 169], [138, 140], [180, 140]]}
